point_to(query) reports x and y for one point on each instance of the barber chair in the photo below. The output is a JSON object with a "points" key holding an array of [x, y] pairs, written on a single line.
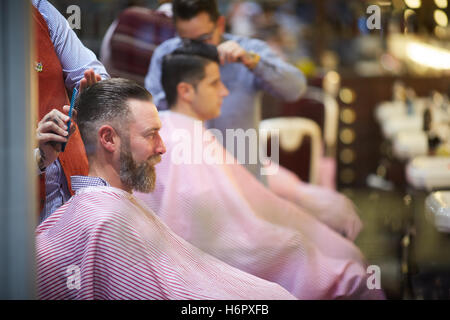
{"points": [[299, 145], [323, 109], [130, 41]]}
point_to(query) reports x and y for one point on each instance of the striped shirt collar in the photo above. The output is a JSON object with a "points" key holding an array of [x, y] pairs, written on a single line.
{"points": [[79, 182]]}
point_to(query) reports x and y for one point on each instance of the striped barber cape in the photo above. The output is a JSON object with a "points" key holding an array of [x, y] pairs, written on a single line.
{"points": [[221, 208], [106, 244]]}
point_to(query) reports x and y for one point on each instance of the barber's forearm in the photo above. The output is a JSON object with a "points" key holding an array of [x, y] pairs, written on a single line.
{"points": [[281, 79], [75, 58]]}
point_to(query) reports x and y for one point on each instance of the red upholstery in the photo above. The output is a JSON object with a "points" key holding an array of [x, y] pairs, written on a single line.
{"points": [[310, 106], [137, 33], [298, 161], [306, 108]]}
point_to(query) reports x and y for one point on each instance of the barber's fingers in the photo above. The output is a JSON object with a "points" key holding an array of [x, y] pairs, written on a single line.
{"points": [[235, 55], [93, 77], [51, 137], [66, 109], [52, 127], [55, 116], [231, 56], [230, 52], [52, 122], [90, 77], [83, 84], [221, 53]]}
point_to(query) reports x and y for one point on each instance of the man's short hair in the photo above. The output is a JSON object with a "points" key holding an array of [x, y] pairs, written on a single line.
{"points": [[106, 102], [188, 9], [186, 64]]}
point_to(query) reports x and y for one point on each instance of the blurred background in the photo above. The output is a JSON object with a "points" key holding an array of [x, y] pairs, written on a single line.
{"points": [[378, 95]]}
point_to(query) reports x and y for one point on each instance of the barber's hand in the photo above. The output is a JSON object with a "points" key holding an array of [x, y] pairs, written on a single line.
{"points": [[90, 77], [230, 52], [51, 133]]}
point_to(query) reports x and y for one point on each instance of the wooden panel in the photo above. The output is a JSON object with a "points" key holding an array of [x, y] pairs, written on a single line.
{"points": [[369, 92]]}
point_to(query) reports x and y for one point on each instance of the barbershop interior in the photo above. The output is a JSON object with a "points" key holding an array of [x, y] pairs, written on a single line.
{"points": [[372, 123]]}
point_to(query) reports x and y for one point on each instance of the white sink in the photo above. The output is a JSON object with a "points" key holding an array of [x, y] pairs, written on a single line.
{"points": [[438, 210]]}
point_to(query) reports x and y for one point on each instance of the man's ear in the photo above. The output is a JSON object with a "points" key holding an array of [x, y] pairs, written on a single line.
{"points": [[108, 138], [185, 91], [221, 21]]}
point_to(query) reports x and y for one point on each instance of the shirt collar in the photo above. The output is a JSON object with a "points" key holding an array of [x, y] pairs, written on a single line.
{"points": [[79, 182]]}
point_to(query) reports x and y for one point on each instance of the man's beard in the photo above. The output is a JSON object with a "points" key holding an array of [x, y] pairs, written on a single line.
{"points": [[138, 176]]}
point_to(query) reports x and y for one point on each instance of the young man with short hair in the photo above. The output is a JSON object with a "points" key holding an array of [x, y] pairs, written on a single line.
{"points": [[221, 208]]}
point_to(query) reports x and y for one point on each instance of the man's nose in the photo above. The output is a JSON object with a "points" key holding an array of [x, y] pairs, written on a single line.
{"points": [[225, 91], [161, 147]]}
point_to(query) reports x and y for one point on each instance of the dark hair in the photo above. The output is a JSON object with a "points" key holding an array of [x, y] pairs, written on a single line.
{"points": [[106, 102], [188, 9], [186, 64]]}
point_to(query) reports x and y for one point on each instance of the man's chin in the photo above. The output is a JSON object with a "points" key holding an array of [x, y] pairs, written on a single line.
{"points": [[150, 190], [145, 188], [146, 185]]}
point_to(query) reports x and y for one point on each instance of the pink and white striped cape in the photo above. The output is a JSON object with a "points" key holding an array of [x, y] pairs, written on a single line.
{"points": [[328, 206], [117, 248], [225, 211]]}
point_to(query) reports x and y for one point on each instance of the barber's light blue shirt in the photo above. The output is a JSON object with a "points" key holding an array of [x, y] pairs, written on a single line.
{"points": [[75, 59], [242, 107]]}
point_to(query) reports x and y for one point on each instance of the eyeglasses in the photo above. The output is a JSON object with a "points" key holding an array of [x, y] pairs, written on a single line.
{"points": [[205, 37]]}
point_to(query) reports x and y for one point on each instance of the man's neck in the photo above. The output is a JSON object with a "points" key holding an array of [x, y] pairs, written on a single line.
{"points": [[107, 173], [184, 109]]}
